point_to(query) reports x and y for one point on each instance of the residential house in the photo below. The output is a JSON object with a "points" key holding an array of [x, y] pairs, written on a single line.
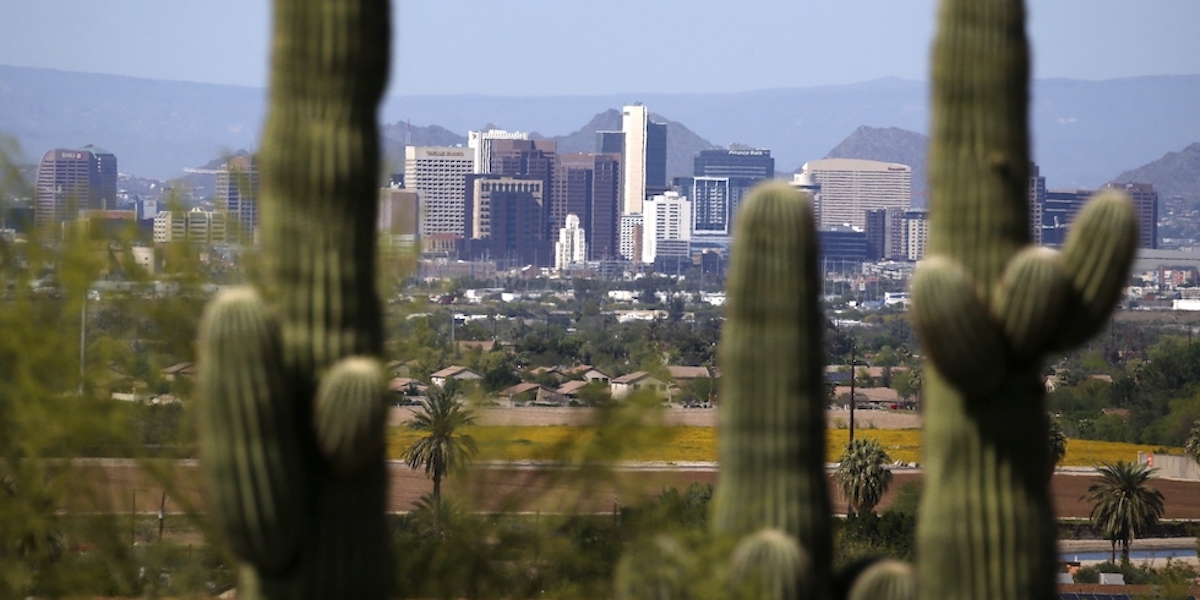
{"points": [[458, 372], [626, 385], [590, 374], [179, 370]]}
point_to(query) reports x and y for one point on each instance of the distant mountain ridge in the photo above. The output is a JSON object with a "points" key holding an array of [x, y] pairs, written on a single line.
{"points": [[1175, 175], [890, 144], [1083, 131]]}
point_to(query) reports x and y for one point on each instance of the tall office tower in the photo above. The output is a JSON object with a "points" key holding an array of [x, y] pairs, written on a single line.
{"points": [[589, 186], [666, 228], [439, 176], [715, 201], [610, 142], [532, 158], [876, 230], [916, 223], [1037, 203], [69, 181], [850, 187], [1059, 212], [631, 237], [896, 242], [756, 164], [399, 218], [1145, 203], [808, 186], [656, 158], [571, 247], [237, 196], [633, 125], [604, 221], [481, 143], [506, 214], [645, 157]]}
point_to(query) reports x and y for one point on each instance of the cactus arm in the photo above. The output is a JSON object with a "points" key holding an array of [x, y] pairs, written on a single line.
{"points": [[349, 414], [248, 436], [1099, 249], [771, 563], [885, 580], [772, 411]]}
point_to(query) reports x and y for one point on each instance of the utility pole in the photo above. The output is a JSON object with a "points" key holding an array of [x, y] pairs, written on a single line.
{"points": [[853, 360]]}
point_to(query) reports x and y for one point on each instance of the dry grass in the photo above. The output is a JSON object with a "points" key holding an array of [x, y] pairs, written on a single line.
{"points": [[680, 444]]}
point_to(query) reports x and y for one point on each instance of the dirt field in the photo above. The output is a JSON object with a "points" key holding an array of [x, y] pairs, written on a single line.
{"points": [[121, 484], [696, 417]]}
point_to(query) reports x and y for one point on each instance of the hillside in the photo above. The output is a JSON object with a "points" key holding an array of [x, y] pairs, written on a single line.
{"points": [[1175, 175], [890, 144]]}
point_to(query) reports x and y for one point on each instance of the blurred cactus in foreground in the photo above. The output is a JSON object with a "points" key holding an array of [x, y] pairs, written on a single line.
{"points": [[292, 391], [988, 307]]}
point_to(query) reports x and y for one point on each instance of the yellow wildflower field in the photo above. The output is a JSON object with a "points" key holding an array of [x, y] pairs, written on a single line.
{"points": [[680, 444]]}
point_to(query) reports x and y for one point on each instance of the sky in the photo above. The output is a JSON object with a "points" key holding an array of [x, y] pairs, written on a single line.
{"points": [[579, 47]]}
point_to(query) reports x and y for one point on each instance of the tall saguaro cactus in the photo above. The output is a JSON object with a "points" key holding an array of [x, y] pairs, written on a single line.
{"points": [[988, 307], [292, 391], [772, 416]]}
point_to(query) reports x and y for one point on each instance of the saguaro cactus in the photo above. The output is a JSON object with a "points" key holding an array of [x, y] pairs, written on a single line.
{"points": [[988, 307], [291, 389], [772, 414]]}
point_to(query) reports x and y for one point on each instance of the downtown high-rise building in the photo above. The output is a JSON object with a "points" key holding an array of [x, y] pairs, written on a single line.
{"points": [[630, 244], [589, 186], [1037, 203], [1058, 212], [439, 176], [849, 187], [721, 180], [1145, 205], [237, 197], [645, 157], [537, 159], [481, 142], [666, 227], [69, 181], [571, 247], [505, 218]]}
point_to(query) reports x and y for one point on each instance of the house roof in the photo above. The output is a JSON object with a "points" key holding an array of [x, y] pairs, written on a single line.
{"points": [[183, 368], [633, 377], [571, 388], [451, 371], [542, 370], [679, 372], [484, 346], [519, 389], [400, 383], [873, 394]]}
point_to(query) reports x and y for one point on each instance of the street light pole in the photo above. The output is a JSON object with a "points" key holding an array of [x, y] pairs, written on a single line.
{"points": [[853, 360]]}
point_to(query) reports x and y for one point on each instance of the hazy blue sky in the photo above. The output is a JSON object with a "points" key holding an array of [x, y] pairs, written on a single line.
{"points": [[543, 47]]}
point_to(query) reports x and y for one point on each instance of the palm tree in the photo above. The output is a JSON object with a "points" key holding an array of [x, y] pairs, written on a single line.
{"points": [[1123, 503], [1192, 445], [444, 447], [862, 474]]}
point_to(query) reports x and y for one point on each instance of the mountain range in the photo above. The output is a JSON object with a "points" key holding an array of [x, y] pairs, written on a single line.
{"points": [[1084, 132]]}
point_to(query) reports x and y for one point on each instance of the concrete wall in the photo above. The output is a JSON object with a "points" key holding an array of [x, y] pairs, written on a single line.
{"points": [[1172, 466]]}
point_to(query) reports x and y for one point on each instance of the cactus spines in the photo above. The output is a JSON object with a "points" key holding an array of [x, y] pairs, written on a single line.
{"points": [[349, 414], [772, 414], [248, 438], [320, 167], [986, 528], [885, 580], [660, 570], [772, 564]]}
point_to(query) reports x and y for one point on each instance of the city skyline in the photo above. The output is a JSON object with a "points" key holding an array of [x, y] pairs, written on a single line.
{"points": [[204, 43]]}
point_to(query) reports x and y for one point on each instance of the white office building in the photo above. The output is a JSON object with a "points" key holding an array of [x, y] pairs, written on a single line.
{"points": [[571, 247], [480, 143], [849, 187], [630, 242], [438, 174], [633, 125], [667, 227]]}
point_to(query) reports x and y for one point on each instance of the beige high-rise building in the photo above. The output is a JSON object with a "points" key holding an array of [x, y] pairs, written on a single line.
{"points": [[633, 125], [439, 176], [196, 226], [849, 187]]}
